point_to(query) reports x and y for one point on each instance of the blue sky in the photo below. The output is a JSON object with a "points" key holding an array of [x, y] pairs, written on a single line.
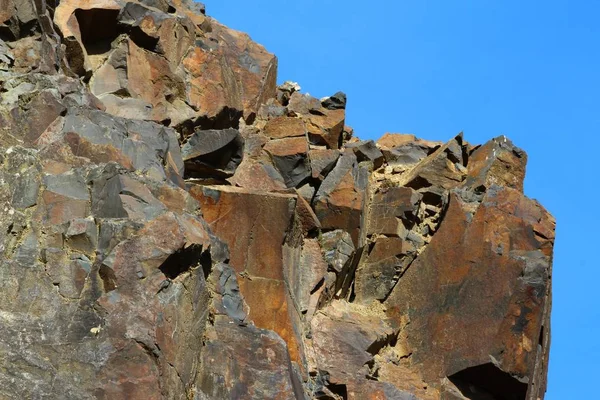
{"points": [[526, 69]]}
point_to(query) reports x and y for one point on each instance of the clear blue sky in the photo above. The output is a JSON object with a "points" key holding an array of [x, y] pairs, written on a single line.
{"points": [[527, 69]]}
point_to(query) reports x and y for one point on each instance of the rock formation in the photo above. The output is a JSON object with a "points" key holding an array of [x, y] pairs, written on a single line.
{"points": [[174, 225]]}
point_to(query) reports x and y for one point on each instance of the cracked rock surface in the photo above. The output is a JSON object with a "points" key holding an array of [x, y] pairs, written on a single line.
{"points": [[174, 225]]}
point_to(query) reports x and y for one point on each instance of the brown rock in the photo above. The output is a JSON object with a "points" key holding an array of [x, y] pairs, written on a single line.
{"points": [[261, 354], [322, 161], [229, 71], [455, 273], [391, 140], [392, 211], [254, 225], [326, 128], [443, 168], [497, 162], [379, 271], [345, 338], [282, 127], [334, 268], [340, 199]]}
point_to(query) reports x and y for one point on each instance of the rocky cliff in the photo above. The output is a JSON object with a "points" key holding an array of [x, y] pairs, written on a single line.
{"points": [[174, 225]]}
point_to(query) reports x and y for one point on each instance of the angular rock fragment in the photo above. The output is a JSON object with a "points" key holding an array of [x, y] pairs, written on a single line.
{"points": [[291, 159], [367, 151], [340, 199], [456, 272], [213, 153], [254, 225], [335, 102]]}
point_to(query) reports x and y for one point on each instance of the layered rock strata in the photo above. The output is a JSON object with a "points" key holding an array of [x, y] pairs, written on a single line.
{"points": [[174, 225]]}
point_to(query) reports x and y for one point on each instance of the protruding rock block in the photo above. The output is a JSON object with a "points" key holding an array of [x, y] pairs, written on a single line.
{"points": [[340, 199], [255, 225], [454, 277]]}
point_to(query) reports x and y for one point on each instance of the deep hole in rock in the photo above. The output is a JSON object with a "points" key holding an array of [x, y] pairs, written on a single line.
{"points": [[226, 118], [318, 286], [98, 29], [108, 277], [433, 150], [432, 198], [339, 390], [206, 263], [181, 261], [418, 183], [6, 34], [486, 381], [465, 156], [142, 40]]}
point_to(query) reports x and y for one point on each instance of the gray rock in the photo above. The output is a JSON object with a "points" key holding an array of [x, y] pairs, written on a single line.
{"points": [[335, 102], [366, 150]]}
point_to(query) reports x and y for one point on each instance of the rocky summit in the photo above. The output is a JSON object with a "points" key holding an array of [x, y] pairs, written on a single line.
{"points": [[174, 225]]}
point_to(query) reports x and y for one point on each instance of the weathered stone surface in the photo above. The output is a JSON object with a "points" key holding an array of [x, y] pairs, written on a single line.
{"points": [[322, 162], [175, 226], [227, 71], [340, 199], [497, 162], [335, 102], [465, 256], [290, 158], [282, 127], [261, 354], [213, 153], [393, 211], [367, 151], [344, 340], [254, 225], [379, 271]]}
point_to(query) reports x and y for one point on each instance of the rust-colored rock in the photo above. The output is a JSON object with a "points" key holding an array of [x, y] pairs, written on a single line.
{"points": [[173, 225]]}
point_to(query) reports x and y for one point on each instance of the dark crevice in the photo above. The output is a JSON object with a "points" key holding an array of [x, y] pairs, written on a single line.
{"points": [[6, 34], [488, 382], [374, 372], [465, 156], [225, 119], [206, 263], [418, 183], [396, 280], [108, 277], [141, 39], [152, 351], [318, 286], [432, 198], [433, 150], [452, 157], [98, 27], [474, 149], [376, 346], [182, 261], [339, 390], [345, 278], [541, 338]]}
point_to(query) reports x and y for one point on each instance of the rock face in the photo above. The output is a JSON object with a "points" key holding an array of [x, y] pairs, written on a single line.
{"points": [[173, 225]]}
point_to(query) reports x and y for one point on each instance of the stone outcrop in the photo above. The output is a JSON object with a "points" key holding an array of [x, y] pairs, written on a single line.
{"points": [[174, 225]]}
